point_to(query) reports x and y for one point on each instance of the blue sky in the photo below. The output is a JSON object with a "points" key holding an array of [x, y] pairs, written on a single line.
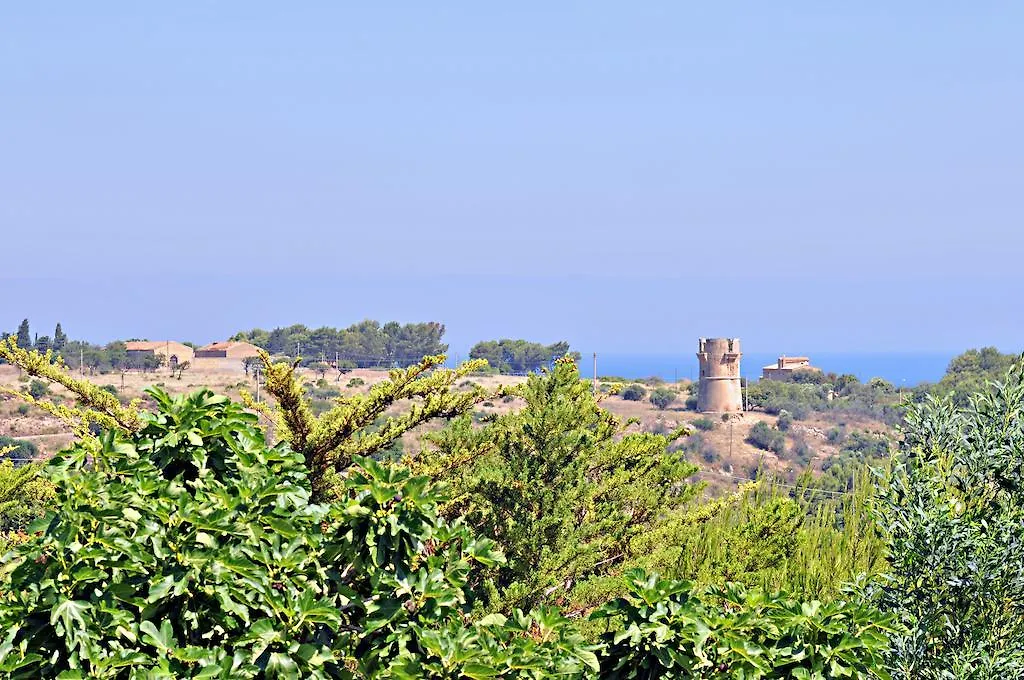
{"points": [[624, 176]]}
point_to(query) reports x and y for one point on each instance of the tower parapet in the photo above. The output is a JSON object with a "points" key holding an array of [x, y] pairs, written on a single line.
{"points": [[720, 389]]}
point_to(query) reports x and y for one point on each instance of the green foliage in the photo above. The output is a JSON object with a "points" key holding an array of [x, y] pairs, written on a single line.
{"points": [[43, 343], [785, 421], [802, 451], [968, 373], [96, 407], [519, 356], [765, 437], [361, 424], [671, 629], [810, 375], [953, 512], [23, 409], [807, 542], [17, 448], [361, 345], [355, 382], [60, 339], [704, 423], [662, 397], [634, 392], [857, 450], [24, 496], [563, 492], [876, 399], [24, 336], [38, 389], [190, 549], [697, 445]]}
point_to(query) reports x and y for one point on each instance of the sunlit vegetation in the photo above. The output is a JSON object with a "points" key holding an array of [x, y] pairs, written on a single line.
{"points": [[549, 540]]}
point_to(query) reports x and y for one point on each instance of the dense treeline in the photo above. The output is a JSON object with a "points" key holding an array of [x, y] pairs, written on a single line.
{"points": [[519, 356], [82, 355], [363, 344]]}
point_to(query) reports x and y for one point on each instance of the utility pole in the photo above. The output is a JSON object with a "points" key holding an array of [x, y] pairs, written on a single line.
{"points": [[297, 350], [81, 360], [257, 384], [595, 373]]}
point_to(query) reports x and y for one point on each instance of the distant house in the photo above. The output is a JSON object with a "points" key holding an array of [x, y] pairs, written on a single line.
{"points": [[785, 367], [227, 350], [173, 353]]}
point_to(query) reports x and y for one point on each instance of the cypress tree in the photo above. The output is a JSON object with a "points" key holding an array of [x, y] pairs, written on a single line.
{"points": [[59, 339], [24, 337]]}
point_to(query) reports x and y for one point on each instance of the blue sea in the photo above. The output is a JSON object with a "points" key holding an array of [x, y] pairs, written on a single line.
{"points": [[898, 368]]}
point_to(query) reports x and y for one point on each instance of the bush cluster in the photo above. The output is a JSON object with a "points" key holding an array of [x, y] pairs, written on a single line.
{"points": [[662, 397], [765, 437], [634, 392]]}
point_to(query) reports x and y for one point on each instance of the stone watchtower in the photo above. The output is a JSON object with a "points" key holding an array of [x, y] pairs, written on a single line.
{"points": [[719, 390]]}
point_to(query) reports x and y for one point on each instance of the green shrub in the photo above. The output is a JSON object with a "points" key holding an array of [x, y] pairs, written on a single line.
{"points": [[671, 629], [952, 513], [38, 389], [191, 548], [110, 388], [24, 495], [764, 437], [836, 435], [662, 397], [320, 406], [802, 452], [22, 447], [704, 423], [634, 392], [355, 382], [785, 421], [23, 409]]}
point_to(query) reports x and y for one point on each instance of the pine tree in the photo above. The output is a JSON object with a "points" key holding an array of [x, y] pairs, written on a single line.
{"points": [[24, 337], [59, 339], [560, 486]]}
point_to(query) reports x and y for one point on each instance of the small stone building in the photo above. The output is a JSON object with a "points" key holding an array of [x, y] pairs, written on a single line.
{"points": [[785, 367], [173, 353], [230, 349]]}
